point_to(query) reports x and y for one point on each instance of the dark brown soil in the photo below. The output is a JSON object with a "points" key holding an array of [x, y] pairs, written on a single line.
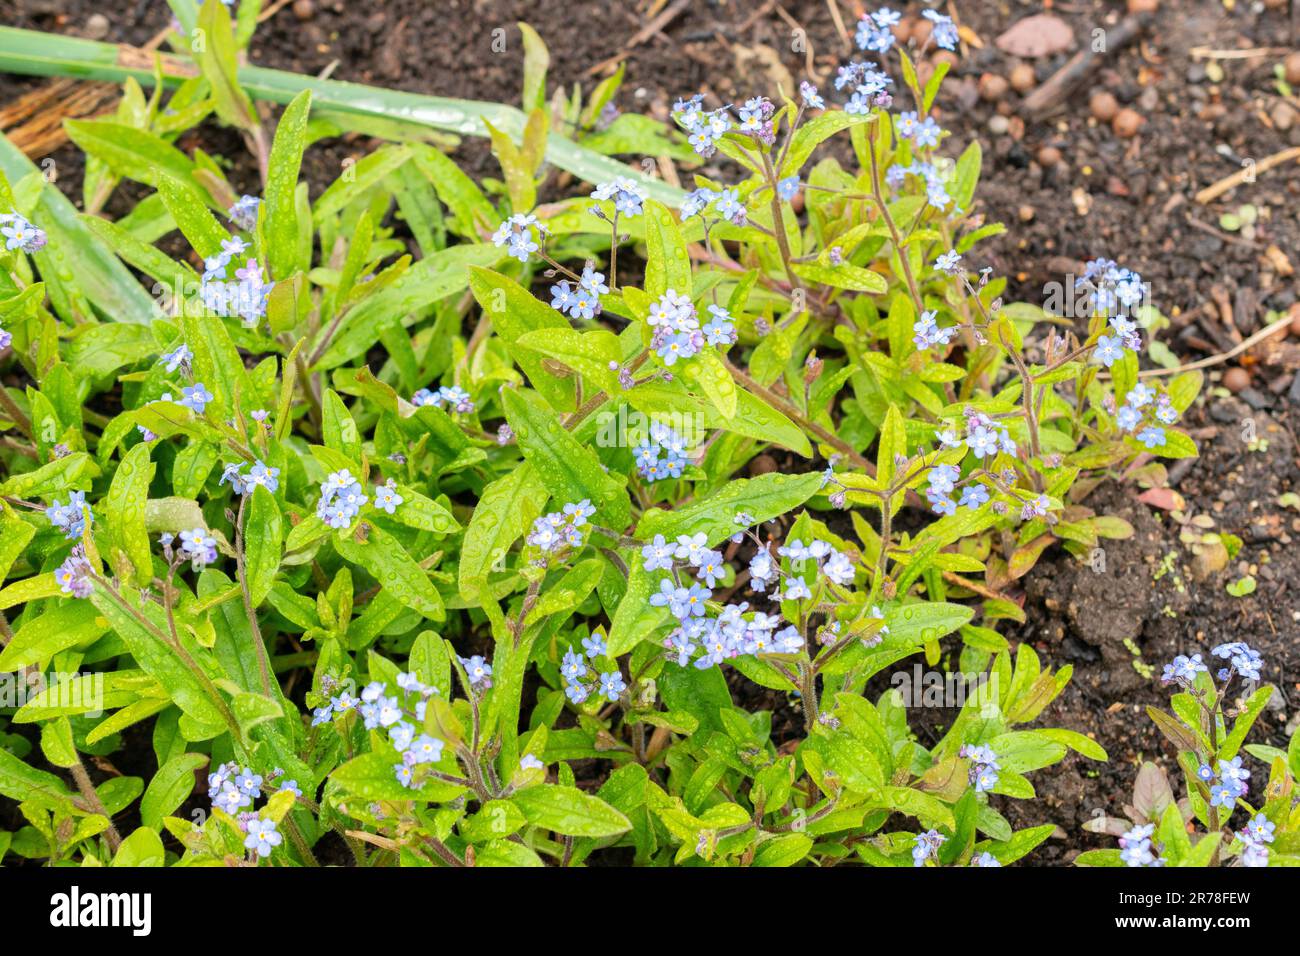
{"points": [[1129, 199]]}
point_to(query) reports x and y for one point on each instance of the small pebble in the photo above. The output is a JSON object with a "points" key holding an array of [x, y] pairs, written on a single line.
{"points": [[1283, 116], [1023, 78], [97, 26], [993, 87], [1291, 68], [999, 124], [1126, 123], [304, 9], [1048, 157], [1235, 379], [1103, 106]]}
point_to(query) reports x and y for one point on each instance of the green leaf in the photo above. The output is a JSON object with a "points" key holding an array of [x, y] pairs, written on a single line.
{"points": [[395, 570], [263, 537], [668, 266], [170, 787], [569, 811], [141, 631], [125, 510], [135, 154], [217, 61], [281, 222], [569, 469], [505, 510], [144, 847]]}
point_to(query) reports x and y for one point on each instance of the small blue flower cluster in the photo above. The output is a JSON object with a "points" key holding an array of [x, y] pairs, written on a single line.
{"points": [[19, 233], [400, 715], [453, 396], [628, 197], [197, 544], [924, 133], [727, 204], [243, 213], [1183, 670], [943, 480], [677, 331], [1131, 414], [73, 575], [703, 128], [811, 98], [6, 338], [561, 529], [927, 333], [926, 845], [730, 633], [985, 859], [1112, 289], [870, 87], [521, 235], [581, 680], [341, 498], [247, 297], [582, 301], [875, 30], [662, 454], [936, 186], [73, 518], [1243, 660], [1255, 837], [984, 766], [258, 474], [1136, 848], [234, 789], [1231, 782]]}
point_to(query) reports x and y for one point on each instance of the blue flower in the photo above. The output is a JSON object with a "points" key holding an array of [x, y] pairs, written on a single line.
{"points": [[657, 555], [712, 568], [195, 397], [926, 845], [520, 235], [73, 518], [627, 196], [1259, 830], [1152, 436], [595, 645], [948, 262], [1222, 795], [386, 497], [1128, 418], [695, 202], [1110, 349], [811, 98], [1245, 660], [244, 213], [573, 667], [944, 33], [426, 749], [1183, 669], [21, 234], [612, 685], [478, 670]]}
